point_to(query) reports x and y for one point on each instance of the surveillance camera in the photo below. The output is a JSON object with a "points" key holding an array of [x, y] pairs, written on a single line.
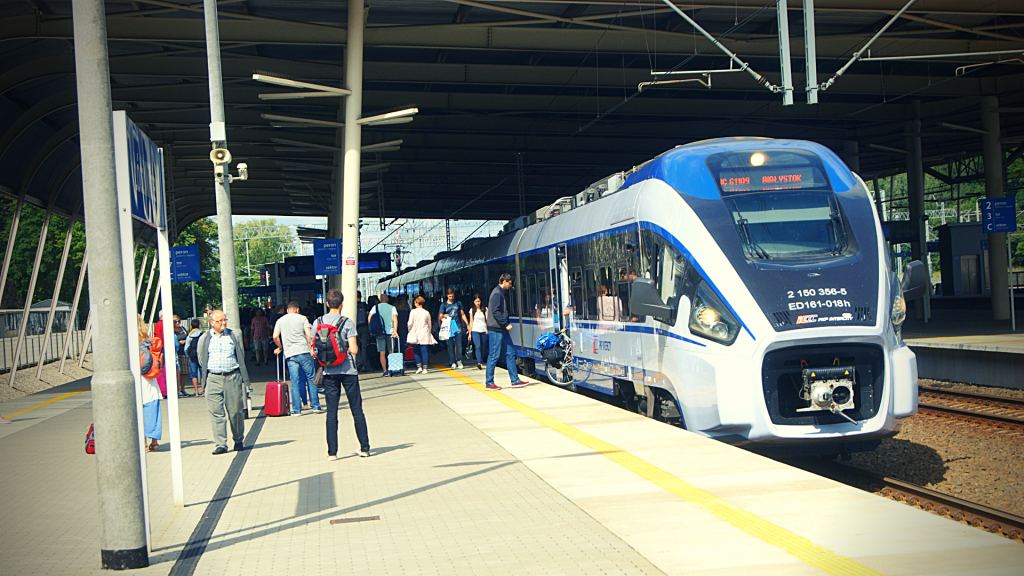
{"points": [[220, 156], [243, 171]]}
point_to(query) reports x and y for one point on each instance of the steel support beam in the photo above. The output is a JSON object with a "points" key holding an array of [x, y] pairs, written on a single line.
{"points": [[915, 198], [11, 236], [810, 53], [53, 300], [123, 542], [30, 294], [995, 173], [74, 310], [787, 73]]}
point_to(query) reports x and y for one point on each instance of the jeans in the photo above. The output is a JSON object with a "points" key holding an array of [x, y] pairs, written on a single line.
{"points": [[498, 342], [363, 338], [454, 348], [301, 370], [332, 392], [480, 347], [422, 354]]}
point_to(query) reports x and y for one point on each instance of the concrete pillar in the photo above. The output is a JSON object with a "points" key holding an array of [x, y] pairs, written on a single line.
{"points": [[118, 468], [915, 195], [851, 154], [353, 143], [992, 155]]}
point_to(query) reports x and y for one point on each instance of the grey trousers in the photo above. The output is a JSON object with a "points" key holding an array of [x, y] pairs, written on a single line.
{"points": [[224, 394]]}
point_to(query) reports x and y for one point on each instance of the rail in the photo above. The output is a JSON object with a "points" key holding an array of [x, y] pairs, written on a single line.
{"points": [[987, 404], [34, 349]]}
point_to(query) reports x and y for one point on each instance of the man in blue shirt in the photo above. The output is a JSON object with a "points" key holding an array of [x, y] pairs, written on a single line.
{"points": [[385, 341], [222, 358]]}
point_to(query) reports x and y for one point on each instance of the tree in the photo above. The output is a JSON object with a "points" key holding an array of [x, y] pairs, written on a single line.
{"points": [[202, 233], [260, 242]]}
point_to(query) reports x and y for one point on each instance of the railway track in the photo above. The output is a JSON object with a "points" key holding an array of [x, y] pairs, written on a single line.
{"points": [[997, 411], [977, 515]]}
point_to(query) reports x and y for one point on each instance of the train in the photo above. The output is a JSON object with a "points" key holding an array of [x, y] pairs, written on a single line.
{"points": [[739, 287]]}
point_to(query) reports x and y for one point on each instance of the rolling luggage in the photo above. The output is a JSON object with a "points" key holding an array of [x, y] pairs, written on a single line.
{"points": [[276, 401], [396, 361], [410, 354]]}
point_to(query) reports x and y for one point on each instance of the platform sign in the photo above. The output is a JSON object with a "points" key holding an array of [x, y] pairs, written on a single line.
{"points": [[185, 264], [374, 262], [999, 215], [137, 157], [326, 257]]}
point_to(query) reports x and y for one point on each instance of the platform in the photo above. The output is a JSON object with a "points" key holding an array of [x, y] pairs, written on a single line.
{"points": [[461, 481], [967, 346]]}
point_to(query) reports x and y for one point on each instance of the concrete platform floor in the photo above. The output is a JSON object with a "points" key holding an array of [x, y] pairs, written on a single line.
{"points": [[462, 481]]}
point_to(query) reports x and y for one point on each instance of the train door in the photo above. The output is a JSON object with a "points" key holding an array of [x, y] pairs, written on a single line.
{"points": [[558, 267]]}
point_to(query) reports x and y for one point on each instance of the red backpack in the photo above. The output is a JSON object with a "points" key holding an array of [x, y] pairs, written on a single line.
{"points": [[330, 346], [90, 441], [151, 357]]}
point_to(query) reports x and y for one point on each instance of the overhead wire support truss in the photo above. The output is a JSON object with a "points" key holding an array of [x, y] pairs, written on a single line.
{"points": [[857, 55], [743, 65]]}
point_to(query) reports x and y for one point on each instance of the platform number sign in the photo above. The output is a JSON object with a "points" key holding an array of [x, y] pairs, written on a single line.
{"points": [[999, 215]]}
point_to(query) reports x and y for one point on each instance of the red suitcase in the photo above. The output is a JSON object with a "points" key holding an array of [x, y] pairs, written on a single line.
{"points": [[276, 402], [410, 354]]}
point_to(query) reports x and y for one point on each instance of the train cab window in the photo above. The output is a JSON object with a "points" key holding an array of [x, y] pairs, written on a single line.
{"points": [[782, 205]]}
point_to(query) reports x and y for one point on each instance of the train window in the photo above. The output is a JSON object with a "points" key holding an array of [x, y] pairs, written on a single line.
{"points": [[589, 294], [543, 297], [607, 303], [528, 295], [576, 294], [673, 276]]}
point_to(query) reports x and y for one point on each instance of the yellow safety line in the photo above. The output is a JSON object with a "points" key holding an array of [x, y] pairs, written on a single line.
{"points": [[50, 401], [796, 545]]}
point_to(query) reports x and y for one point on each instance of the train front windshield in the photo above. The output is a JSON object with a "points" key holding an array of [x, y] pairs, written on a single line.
{"points": [[781, 203]]}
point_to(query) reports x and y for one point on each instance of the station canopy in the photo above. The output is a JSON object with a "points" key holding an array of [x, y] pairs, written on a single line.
{"points": [[542, 96]]}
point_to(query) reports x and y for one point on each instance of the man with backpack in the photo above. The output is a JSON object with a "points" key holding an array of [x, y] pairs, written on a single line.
{"points": [[383, 323], [328, 346], [291, 334], [191, 348]]}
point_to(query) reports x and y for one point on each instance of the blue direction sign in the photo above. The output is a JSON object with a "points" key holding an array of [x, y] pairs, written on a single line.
{"points": [[185, 264], [999, 215], [326, 257]]}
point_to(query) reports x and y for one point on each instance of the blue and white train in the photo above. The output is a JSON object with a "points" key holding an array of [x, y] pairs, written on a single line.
{"points": [[738, 287]]}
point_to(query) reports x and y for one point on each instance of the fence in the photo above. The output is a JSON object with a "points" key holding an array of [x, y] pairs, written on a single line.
{"points": [[35, 348]]}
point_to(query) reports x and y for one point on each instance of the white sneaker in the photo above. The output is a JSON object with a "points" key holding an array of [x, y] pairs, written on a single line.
{"points": [[424, 369], [419, 370], [453, 366], [331, 458], [460, 366]]}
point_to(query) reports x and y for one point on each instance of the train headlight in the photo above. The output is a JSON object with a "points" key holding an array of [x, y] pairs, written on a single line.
{"points": [[711, 319], [898, 305]]}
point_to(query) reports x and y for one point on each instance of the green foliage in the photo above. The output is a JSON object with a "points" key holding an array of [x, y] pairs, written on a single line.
{"points": [[202, 233], [23, 256], [269, 242]]}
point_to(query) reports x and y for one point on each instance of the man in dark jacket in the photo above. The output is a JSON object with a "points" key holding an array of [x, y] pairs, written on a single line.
{"points": [[499, 334]]}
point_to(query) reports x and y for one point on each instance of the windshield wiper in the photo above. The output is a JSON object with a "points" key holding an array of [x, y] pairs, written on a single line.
{"points": [[752, 246], [837, 226]]}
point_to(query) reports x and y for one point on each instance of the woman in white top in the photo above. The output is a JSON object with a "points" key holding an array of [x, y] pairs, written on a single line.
{"points": [[151, 397], [479, 331], [420, 336]]}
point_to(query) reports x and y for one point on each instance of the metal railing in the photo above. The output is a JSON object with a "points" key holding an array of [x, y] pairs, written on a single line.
{"points": [[35, 349]]}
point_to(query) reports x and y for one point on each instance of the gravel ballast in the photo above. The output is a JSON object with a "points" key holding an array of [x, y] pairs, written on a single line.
{"points": [[969, 461]]}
